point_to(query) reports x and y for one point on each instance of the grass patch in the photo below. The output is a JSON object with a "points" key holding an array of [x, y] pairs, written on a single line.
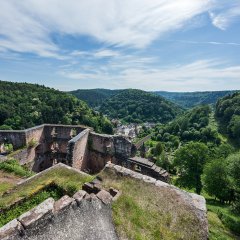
{"points": [[143, 212], [217, 231], [4, 186], [18, 209], [65, 178], [230, 222], [13, 166]]}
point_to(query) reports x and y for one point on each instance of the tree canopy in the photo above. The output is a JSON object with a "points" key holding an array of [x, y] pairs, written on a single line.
{"points": [[25, 105], [228, 114], [137, 106], [190, 160]]}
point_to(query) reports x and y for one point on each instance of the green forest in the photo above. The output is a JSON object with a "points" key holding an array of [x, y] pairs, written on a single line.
{"points": [[196, 148], [228, 114], [96, 97], [24, 105], [192, 99], [137, 106]]}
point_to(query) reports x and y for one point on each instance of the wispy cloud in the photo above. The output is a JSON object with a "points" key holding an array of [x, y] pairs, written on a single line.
{"points": [[29, 24], [225, 16], [198, 75], [210, 42]]}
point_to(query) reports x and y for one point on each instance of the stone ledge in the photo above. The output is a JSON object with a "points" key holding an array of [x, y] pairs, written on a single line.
{"points": [[78, 196], [38, 215], [63, 204], [11, 230], [196, 200]]}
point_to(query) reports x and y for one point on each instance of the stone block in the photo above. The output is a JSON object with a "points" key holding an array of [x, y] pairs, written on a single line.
{"points": [[88, 187], [105, 196], [39, 215], [78, 196], [149, 179], [11, 230], [97, 187], [137, 175], [159, 183], [117, 168], [90, 197], [62, 204]]}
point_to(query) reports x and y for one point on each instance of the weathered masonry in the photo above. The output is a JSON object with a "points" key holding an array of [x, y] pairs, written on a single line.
{"points": [[43, 146]]}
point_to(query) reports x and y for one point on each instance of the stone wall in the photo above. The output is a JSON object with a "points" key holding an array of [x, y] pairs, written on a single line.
{"points": [[45, 145], [35, 134], [104, 148], [16, 138], [78, 151]]}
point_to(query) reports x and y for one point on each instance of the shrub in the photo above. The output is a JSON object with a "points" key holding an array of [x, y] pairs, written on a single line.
{"points": [[13, 166], [32, 143], [71, 188]]}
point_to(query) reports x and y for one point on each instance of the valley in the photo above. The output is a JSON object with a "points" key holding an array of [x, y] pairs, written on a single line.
{"points": [[197, 147]]}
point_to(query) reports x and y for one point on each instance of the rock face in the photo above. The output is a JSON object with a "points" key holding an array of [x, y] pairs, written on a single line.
{"points": [[85, 216], [90, 220]]}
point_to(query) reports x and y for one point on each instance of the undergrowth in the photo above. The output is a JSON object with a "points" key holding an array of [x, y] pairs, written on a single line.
{"points": [[52, 190], [13, 166]]}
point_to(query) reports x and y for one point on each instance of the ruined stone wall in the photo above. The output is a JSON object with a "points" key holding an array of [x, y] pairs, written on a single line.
{"points": [[104, 148], [78, 151], [16, 138], [62, 131], [35, 134], [45, 145]]}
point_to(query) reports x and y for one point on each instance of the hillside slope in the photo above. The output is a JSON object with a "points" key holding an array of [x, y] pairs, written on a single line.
{"points": [[228, 114], [191, 99], [24, 105], [94, 97], [133, 105]]}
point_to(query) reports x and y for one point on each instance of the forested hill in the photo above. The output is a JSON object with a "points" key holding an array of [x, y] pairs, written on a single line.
{"points": [[191, 99], [228, 114], [24, 105], [137, 106], [94, 97]]}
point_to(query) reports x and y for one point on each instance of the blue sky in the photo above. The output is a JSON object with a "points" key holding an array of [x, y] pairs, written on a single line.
{"points": [[172, 45]]}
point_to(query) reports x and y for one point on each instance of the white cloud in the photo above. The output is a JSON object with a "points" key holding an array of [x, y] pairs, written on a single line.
{"points": [[223, 18], [27, 25], [211, 43], [199, 75]]}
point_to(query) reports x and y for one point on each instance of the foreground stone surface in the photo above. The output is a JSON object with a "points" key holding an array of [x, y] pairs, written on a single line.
{"points": [[91, 220], [11, 230], [38, 215]]}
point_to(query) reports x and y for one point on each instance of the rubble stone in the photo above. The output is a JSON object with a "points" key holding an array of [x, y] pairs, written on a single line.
{"points": [[105, 196]]}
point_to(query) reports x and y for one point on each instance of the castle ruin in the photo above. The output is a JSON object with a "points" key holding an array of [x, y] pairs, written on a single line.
{"points": [[77, 146]]}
